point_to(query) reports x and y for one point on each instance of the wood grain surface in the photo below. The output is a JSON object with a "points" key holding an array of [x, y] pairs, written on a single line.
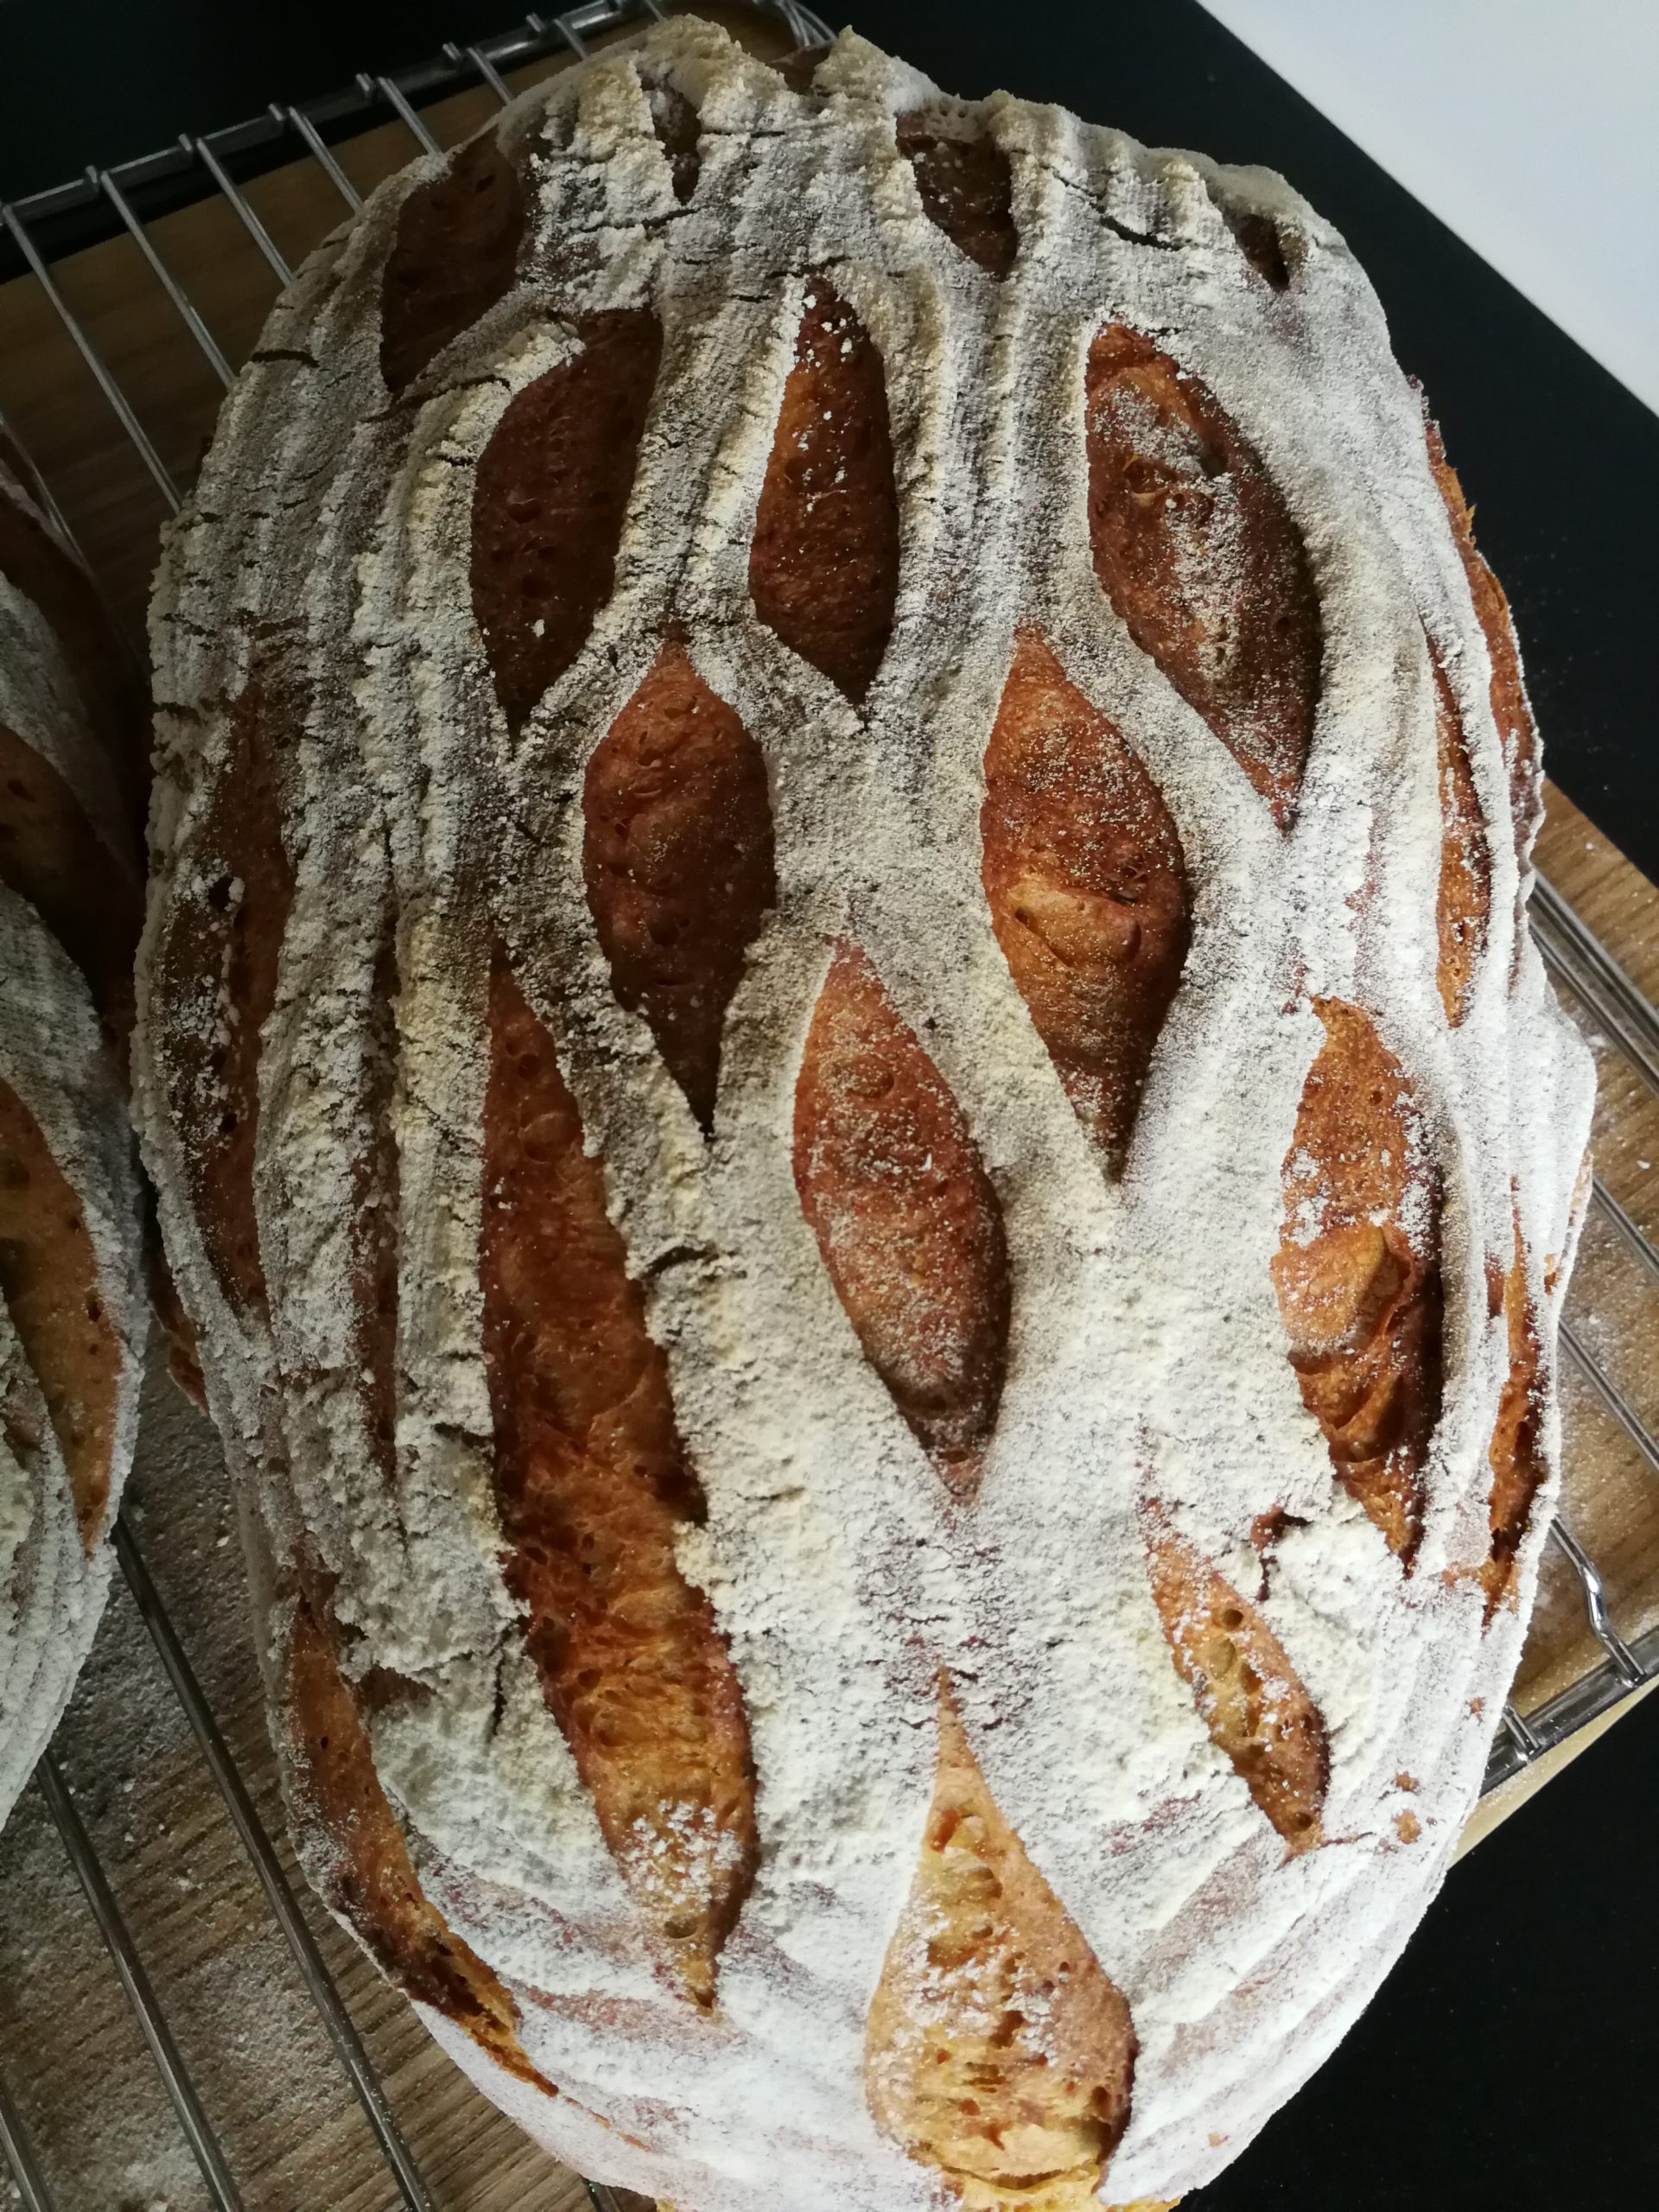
{"points": [[70, 2052]]}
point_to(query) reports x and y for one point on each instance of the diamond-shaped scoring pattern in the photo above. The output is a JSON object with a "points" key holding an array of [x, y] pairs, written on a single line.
{"points": [[838, 1581]]}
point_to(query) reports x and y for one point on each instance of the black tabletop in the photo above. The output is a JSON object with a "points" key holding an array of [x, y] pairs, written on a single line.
{"points": [[1507, 2061]]}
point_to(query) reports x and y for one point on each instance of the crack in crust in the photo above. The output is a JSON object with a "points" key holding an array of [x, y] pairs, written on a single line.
{"points": [[823, 567], [592, 1483], [1357, 1272], [997, 2049], [49, 1281], [909, 1225], [550, 500], [1250, 1697], [1516, 1453], [216, 984], [455, 255], [1196, 551], [1087, 885], [677, 861]]}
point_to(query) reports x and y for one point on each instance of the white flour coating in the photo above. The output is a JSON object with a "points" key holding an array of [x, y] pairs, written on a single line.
{"points": [[53, 1056], [1146, 1357]]}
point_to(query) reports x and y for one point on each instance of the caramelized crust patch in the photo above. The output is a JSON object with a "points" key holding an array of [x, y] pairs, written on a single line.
{"points": [[550, 500], [592, 1483], [1357, 1272], [1464, 906], [34, 564], [215, 985], [1516, 1453], [677, 859], [1511, 710], [965, 186], [48, 1278], [1086, 881], [1246, 1690], [997, 2051], [455, 254], [823, 568], [910, 1227], [1196, 551], [365, 1873], [51, 856]]}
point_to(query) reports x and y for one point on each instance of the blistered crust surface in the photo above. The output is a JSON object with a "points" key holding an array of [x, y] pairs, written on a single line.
{"points": [[1146, 1359]]}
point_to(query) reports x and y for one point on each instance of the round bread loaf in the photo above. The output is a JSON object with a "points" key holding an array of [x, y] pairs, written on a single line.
{"points": [[72, 1326], [838, 1042]]}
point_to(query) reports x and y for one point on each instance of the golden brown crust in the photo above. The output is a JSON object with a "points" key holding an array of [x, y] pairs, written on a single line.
{"points": [[455, 255], [1196, 551], [823, 567], [592, 1483], [965, 186], [52, 857], [911, 1229], [1463, 907], [220, 953], [997, 2047], [48, 1279], [360, 1861], [1515, 1452], [1358, 1273], [1087, 885], [549, 502], [678, 860], [1511, 709], [1249, 1695]]}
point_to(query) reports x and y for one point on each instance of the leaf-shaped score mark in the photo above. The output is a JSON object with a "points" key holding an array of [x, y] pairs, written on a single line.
{"points": [[1508, 693], [910, 1228], [550, 500], [965, 186], [1196, 551], [998, 2050], [455, 255], [216, 984], [359, 1860], [1516, 1453], [677, 859], [48, 1279], [823, 568], [1246, 1689], [1087, 885], [1463, 904], [1357, 1271], [592, 1483]]}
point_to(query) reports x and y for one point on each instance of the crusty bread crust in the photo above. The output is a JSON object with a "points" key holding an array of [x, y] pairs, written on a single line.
{"points": [[836, 1041]]}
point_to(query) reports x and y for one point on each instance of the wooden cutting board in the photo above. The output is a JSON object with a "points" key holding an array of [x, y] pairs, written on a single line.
{"points": [[69, 2050]]}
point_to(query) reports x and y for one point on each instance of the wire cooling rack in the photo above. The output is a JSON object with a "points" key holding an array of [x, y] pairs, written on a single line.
{"points": [[41, 232]]}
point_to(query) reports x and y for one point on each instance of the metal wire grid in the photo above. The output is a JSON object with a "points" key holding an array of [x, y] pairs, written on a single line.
{"points": [[1570, 951]]}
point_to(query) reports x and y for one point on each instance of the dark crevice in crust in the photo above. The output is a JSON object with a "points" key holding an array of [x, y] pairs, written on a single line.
{"points": [[965, 184], [823, 568], [592, 1482], [49, 1281], [909, 1226], [1357, 1272], [1463, 903], [1087, 885], [455, 255], [1195, 548], [678, 860], [550, 500], [1516, 1454], [678, 127]]}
